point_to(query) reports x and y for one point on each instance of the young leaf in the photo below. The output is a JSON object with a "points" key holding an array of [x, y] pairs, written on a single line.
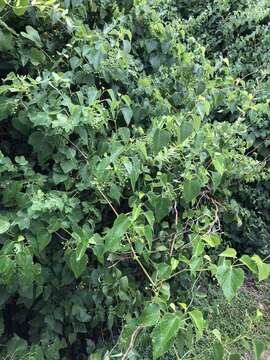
{"points": [[150, 315], [192, 188], [217, 334], [164, 332], [250, 264], [229, 253], [20, 7], [213, 240], [230, 279], [197, 318], [263, 268]]}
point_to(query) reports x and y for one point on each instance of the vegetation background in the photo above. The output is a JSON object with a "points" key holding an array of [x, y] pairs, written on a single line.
{"points": [[134, 192]]}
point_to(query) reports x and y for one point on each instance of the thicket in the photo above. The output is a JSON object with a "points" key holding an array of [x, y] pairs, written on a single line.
{"points": [[132, 167]]}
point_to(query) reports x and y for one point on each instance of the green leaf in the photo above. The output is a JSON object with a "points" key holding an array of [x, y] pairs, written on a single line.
{"points": [[196, 122], [20, 7], [133, 170], [161, 138], [263, 268], [258, 347], [218, 162], [150, 217], [7, 268], [229, 252], [81, 248], [95, 356], [116, 233], [216, 180], [77, 267], [218, 351], [213, 239], [150, 315], [195, 264], [127, 113], [197, 318], [203, 108], [185, 130], [2, 4], [217, 334], [43, 239], [164, 332], [4, 225], [192, 189], [36, 56], [123, 282], [163, 271], [250, 264], [235, 356], [32, 35], [162, 207], [230, 279]]}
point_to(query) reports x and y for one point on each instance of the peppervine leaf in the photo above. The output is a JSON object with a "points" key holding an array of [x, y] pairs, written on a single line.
{"points": [[164, 333], [230, 279]]}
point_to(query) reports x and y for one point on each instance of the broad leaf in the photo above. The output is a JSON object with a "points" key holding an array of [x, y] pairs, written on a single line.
{"points": [[162, 207], [4, 225], [197, 318], [235, 357], [218, 351], [258, 348], [20, 7], [32, 35], [263, 268], [77, 267], [127, 113], [250, 264], [161, 138], [164, 332], [218, 162], [229, 253], [116, 233], [185, 130], [150, 315], [230, 279], [192, 189], [213, 239]]}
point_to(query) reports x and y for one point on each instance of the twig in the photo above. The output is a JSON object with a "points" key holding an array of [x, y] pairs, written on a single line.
{"points": [[175, 235], [131, 344], [76, 147], [192, 290], [135, 257], [176, 353], [108, 201]]}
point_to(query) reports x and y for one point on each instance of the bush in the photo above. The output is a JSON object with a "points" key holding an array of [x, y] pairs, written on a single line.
{"points": [[121, 146]]}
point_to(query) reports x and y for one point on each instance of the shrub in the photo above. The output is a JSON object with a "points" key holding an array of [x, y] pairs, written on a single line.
{"points": [[115, 176]]}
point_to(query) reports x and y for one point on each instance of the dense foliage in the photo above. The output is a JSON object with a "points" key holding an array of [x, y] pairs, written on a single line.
{"points": [[130, 171]]}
